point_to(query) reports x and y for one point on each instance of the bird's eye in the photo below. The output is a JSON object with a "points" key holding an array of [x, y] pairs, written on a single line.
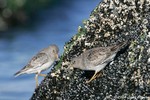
{"points": [[73, 62], [54, 51]]}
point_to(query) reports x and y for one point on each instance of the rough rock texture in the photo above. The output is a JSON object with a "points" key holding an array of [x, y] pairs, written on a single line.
{"points": [[127, 77]]}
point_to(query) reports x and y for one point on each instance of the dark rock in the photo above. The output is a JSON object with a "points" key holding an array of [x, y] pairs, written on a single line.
{"points": [[127, 77]]}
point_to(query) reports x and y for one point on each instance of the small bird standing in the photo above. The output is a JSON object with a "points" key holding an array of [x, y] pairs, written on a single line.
{"points": [[40, 62], [96, 58]]}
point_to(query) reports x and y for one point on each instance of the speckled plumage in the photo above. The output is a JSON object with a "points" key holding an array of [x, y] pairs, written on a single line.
{"points": [[96, 58]]}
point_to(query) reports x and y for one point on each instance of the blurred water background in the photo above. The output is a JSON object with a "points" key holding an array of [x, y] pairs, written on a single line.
{"points": [[29, 27]]}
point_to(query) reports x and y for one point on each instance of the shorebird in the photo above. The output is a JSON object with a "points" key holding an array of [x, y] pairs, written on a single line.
{"points": [[40, 62], [96, 58]]}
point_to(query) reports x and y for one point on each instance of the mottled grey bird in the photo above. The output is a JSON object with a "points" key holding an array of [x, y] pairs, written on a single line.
{"points": [[96, 58], [40, 62]]}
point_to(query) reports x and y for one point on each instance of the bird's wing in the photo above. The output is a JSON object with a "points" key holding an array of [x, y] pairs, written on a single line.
{"points": [[101, 55], [97, 56], [39, 60], [36, 61]]}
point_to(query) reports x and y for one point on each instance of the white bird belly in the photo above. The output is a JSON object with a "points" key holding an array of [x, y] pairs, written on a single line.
{"points": [[40, 68], [97, 68]]}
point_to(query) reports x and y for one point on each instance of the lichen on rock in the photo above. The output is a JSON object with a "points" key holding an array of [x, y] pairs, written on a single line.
{"points": [[127, 77]]}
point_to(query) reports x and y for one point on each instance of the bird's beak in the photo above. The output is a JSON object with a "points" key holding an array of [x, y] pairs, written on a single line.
{"points": [[57, 58], [69, 67]]}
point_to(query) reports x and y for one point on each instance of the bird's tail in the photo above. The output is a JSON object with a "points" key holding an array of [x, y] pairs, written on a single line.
{"points": [[119, 46], [22, 71], [18, 73]]}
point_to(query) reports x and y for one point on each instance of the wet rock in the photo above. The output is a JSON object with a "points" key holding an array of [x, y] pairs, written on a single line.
{"points": [[127, 77]]}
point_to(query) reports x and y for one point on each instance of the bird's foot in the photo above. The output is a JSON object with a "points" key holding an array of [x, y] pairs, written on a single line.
{"points": [[93, 77], [99, 74]]}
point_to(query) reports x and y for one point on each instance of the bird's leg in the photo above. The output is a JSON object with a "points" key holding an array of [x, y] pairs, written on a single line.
{"points": [[93, 77], [36, 80], [44, 75], [99, 74]]}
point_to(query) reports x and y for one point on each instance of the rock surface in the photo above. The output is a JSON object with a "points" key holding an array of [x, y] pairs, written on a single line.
{"points": [[127, 77]]}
